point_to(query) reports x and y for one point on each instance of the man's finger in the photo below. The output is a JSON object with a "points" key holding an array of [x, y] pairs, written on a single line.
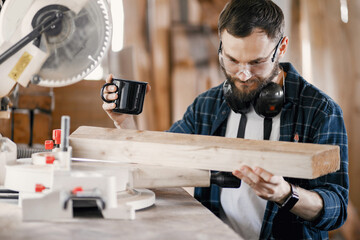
{"points": [[111, 88], [111, 96], [108, 106], [109, 78], [248, 172], [243, 178], [245, 175], [148, 88], [265, 175]]}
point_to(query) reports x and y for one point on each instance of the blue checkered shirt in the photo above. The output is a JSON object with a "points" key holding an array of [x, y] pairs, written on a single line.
{"points": [[315, 118]]}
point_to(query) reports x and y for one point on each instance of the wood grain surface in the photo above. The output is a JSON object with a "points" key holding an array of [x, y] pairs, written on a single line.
{"points": [[298, 160]]}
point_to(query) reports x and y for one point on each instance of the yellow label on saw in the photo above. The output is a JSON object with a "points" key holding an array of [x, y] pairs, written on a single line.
{"points": [[20, 66]]}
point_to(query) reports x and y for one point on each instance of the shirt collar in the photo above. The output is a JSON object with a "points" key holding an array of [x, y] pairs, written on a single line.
{"points": [[291, 85]]}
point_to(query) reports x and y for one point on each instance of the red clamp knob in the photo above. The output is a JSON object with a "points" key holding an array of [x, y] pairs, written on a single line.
{"points": [[56, 135], [39, 188], [49, 159], [76, 190], [49, 144]]}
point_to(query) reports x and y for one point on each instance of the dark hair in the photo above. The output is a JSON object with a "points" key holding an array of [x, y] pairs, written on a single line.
{"points": [[241, 17]]}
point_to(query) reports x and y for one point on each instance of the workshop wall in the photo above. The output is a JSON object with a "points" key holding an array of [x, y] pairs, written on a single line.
{"points": [[82, 102]]}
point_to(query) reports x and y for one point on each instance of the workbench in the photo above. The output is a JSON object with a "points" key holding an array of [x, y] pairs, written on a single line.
{"points": [[175, 215]]}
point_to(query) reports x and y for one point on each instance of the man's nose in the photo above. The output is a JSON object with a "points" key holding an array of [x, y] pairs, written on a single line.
{"points": [[243, 75]]}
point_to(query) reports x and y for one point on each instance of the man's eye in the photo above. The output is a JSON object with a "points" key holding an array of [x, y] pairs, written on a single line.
{"points": [[233, 61]]}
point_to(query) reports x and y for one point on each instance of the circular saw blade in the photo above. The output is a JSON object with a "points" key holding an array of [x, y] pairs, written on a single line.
{"points": [[78, 47]]}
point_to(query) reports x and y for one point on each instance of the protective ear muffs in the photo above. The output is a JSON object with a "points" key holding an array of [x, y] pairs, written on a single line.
{"points": [[234, 104], [267, 103]]}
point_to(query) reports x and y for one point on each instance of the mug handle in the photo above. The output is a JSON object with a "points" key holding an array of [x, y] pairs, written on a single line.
{"points": [[102, 92]]}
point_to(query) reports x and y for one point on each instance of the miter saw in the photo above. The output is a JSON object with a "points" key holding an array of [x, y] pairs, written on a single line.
{"points": [[55, 43]]}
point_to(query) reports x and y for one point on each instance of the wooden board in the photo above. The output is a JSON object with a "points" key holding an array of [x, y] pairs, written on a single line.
{"points": [[298, 160], [146, 176]]}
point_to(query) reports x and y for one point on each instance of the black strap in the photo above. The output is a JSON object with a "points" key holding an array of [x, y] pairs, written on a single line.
{"points": [[267, 128], [242, 126]]}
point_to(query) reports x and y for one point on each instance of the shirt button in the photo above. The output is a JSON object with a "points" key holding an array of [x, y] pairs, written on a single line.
{"points": [[223, 112]]}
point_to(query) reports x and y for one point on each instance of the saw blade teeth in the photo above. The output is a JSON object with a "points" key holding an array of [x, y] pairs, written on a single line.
{"points": [[91, 58], [95, 55]]}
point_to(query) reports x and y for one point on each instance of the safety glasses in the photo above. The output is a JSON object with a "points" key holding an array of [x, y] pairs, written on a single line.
{"points": [[248, 69]]}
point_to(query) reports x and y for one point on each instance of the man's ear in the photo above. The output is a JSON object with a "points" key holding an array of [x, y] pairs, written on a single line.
{"points": [[283, 46]]}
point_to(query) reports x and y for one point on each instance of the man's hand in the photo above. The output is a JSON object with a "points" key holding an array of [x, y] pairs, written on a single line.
{"points": [[120, 120], [276, 189], [265, 184]]}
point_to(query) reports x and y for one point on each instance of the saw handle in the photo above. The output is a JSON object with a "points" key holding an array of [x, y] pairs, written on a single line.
{"points": [[53, 19], [225, 180]]}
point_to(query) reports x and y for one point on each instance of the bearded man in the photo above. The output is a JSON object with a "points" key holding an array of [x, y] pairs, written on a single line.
{"points": [[264, 99]]}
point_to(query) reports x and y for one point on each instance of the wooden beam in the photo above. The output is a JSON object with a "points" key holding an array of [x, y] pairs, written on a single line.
{"points": [[299, 160], [146, 176]]}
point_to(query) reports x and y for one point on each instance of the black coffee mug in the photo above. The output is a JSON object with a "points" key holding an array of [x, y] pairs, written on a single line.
{"points": [[131, 95]]}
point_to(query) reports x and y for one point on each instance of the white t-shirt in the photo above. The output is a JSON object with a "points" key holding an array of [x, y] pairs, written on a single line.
{"points": [[244, 210]]}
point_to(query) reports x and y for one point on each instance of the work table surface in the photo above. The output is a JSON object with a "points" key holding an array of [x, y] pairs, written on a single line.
{"points": [[175, 215]]}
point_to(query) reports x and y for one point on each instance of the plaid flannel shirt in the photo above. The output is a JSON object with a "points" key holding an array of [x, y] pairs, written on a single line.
{"points": [[315, 118]]}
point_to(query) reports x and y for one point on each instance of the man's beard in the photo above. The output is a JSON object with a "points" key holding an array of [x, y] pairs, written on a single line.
{"points": [[246, 95]]}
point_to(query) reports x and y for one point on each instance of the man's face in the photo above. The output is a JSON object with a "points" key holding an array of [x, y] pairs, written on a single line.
{"points": [[246, 63]]}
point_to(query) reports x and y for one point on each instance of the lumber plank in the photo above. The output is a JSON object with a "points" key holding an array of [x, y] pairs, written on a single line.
{"points": [[147, 176], [298, 160]]}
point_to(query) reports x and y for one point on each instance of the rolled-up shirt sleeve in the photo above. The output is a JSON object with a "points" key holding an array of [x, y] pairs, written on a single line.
{"points": [[333, 188]]}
